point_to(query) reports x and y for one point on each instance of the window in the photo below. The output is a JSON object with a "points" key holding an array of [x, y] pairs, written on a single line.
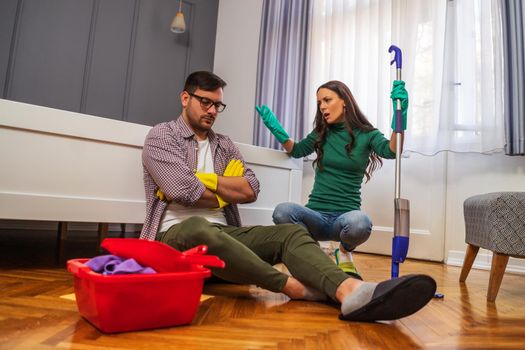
{"points": [[451, 64]]}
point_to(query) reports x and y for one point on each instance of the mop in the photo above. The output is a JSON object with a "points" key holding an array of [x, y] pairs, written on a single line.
{"points": [[401, 205]]}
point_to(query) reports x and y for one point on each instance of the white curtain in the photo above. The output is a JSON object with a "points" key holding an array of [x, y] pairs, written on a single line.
{"points": [[451, 65], [350, 41]]}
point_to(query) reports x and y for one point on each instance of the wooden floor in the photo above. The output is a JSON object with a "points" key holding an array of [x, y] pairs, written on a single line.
{"points": [[34, 316]]}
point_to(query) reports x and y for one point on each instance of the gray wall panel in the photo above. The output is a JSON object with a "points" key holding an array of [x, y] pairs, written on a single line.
{"points": [[7, 23], [111, 58], [159, 63], [50, 53], [201, 38], [162, 59], [106, 80]]}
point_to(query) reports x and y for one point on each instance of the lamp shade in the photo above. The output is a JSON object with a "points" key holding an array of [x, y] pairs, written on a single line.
{"points": [[178, 25]]}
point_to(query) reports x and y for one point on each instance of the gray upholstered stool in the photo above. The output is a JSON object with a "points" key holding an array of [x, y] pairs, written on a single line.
{"points": [[494, 221]]}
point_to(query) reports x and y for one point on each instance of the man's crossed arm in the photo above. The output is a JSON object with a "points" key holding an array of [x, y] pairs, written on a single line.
{"points": [[231, 187]]}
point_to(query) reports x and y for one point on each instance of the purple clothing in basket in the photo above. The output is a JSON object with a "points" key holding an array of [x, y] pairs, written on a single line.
{"points": [[114, 265]]}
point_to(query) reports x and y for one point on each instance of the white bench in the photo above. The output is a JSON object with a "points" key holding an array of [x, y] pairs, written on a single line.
{"points": [[70, 167]]}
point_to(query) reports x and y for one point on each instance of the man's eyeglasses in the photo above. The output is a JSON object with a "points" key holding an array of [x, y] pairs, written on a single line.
{"points": [[206, 103]]}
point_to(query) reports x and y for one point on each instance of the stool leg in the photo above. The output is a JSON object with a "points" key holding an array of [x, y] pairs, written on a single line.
{"points": [[470, 256], [499, 263]]}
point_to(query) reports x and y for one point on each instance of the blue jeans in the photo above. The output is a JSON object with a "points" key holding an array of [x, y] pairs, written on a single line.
{"points": [[351, 228]]}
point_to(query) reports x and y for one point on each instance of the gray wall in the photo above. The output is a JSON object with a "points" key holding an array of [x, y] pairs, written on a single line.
{"points": [[110, 58]]}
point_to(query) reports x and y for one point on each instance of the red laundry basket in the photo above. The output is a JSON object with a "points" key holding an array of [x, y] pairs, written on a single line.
{"points": [[120, 303]]}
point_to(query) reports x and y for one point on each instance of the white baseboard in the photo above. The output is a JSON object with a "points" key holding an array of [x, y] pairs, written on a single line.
{"points": [[484, 260]]}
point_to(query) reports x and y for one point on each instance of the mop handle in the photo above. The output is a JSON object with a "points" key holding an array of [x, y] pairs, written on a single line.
{"points": [[398, 59]]}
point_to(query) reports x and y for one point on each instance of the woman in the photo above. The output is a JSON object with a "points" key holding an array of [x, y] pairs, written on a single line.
{"points": [[348, 148]]}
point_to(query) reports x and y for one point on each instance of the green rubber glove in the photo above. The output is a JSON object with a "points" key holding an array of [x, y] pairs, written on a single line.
{"points": [[234, 168], [272, 123], [209, 180], [399, 93]]}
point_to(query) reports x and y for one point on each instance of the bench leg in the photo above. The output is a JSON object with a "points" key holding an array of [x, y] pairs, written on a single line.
{"points": [[61, 236], [470, 256], [103, 229], [499, 263]]}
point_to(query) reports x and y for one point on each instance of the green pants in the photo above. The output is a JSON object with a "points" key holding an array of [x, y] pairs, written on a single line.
{"points": [[250, 252]]}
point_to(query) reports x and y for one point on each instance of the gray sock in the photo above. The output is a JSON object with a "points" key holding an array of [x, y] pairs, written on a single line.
{"points": [[358, 298]]}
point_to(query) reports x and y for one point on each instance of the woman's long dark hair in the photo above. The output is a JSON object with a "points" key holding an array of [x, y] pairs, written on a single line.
{"points": [[353, 118]]}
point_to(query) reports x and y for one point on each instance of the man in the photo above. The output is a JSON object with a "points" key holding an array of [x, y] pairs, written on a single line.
{"points": [[194, 179]]}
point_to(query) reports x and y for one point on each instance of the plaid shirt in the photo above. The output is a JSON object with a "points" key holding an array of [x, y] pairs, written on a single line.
{"points": [[169, 160]]}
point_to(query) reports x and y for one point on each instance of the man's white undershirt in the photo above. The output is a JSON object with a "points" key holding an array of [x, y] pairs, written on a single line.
{"points": [[175, 213]]}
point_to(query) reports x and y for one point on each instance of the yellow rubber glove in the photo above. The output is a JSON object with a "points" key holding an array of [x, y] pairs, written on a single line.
{"points": [[161, 196], [209, 180], [222, 202], [234, 168]]}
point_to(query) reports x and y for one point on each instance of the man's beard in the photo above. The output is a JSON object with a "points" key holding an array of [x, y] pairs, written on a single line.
{"points": [[200, 125]]}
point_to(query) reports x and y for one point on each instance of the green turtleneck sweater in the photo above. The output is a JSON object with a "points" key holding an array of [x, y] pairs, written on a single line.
{"points": [[338, 186]]}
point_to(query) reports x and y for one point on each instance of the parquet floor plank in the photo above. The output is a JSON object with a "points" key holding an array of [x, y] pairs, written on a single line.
{"points": [[34, 316]]}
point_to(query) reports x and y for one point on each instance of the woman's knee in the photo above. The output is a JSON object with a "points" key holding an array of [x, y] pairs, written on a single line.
{"points": [[283, 213], [356, 229]]}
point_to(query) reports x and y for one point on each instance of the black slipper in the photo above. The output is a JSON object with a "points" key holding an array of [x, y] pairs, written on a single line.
{"points": [[395, 298]]}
